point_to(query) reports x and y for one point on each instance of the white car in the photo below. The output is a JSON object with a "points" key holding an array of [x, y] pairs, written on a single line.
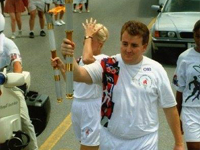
{"points": [[172, 30], [161, 2]]}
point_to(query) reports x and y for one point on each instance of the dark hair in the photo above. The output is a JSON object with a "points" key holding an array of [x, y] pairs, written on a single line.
{"points": [[136, 28], [196, 26]]}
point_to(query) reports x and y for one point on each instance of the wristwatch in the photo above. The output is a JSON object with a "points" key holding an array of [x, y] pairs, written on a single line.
{"points": [[87, 37]]}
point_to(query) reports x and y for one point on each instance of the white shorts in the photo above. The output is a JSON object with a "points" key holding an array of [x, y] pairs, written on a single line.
{"points": [[190, 117], [36, 4], [110, 142], [86, 121]]}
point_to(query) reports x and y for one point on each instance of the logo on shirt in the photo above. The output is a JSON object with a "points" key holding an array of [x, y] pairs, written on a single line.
{"points": [[194, 86], [14, 56], [87, 131], [145, 81], [175, 80], [147, 69]]}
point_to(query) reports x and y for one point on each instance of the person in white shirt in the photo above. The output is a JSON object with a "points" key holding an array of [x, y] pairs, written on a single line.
{"points": [[86, 104], [11, 60], [133, 88], [187, 83]]}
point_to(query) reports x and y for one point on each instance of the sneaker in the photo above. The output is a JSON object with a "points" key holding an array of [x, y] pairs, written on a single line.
{"points": [[13, 36], [88, 11], [75, 11], [42, 33], [57, 23], [31, 35], [19, 33], [62, 22], [80, 11]]}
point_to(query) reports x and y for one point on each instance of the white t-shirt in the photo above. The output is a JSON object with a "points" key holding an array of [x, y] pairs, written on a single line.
{"points": [[9, 54], [187, 77], [135, 98], [86, 91]]}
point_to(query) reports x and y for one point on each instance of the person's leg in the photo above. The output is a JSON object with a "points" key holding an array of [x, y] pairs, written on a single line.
{"points": [[13, 24], [32, 20], [80, 6], [32, 23], [56, 17], [74, 8], [86, 6], [61, 17], [41, 20], [19, 23], [48, 7], [57, 23], [193, 145]]}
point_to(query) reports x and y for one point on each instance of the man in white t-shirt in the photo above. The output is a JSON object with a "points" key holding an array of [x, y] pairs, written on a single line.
{"points": [[10, 58], [133, 87], [187, 83]]}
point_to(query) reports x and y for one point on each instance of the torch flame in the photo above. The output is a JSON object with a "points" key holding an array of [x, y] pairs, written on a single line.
{"points": [[57, 10]]}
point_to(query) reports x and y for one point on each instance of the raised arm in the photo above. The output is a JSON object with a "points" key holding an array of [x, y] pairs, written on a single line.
{"points": [[87, 55], [80, 73], [90, 31]]}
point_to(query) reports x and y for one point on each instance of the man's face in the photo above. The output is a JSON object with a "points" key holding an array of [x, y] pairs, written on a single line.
{"points": [[132, 48], [197, 38]]}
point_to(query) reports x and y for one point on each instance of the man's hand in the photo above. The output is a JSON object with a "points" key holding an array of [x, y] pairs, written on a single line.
{"points": [[57, 62], [67, 47]]}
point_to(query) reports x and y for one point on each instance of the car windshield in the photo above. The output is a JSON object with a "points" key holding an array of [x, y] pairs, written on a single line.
{"points": [[182, 6]]}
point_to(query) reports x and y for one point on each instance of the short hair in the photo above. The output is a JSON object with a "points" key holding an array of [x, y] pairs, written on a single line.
{"points": [[102, 34], [196, 26], [136, 28]]}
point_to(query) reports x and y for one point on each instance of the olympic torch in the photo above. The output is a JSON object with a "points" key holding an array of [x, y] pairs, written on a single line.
{"points": [[69, 58], [53, 55]]}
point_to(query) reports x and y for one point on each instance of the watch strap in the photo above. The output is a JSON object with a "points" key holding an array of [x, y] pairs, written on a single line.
{"points": [[87, 37]]}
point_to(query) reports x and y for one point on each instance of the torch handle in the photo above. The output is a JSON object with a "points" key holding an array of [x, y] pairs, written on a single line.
{"points": [[52, 45], [69, 70], [57, 79]]}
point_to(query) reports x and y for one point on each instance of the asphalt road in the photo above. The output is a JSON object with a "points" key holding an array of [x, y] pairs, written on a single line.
{"points": [[58, 134]]}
